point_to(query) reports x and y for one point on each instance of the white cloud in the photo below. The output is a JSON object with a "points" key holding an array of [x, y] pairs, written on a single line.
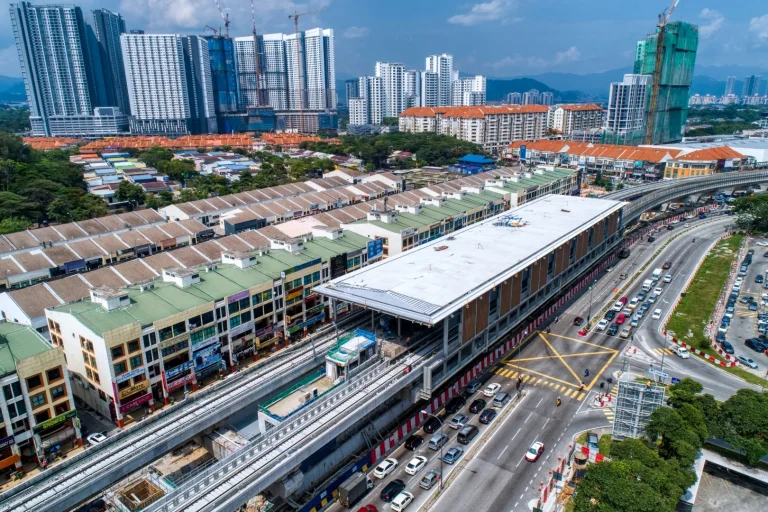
{"points": [[572, 54], [713, 22], [758, 27], [487, 11], [507, 62], [356, 32]]}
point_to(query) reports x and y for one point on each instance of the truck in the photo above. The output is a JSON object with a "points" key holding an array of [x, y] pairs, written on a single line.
{"points": [[647, 284], [354, 488], [657, 274]]}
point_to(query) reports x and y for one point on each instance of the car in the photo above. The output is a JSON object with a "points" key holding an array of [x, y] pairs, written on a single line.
{"points": [[739, 280], [658, 291], [621, 319], [720, 337], [391, 490], [609, 269], [723, 328], [487, 416], [753, 306], [477, 406], [385, 467], [641, 312], [667, 278], [492, 389], [745, 299], [617, 306], [626, 312], [727, 347], [625, 332], [686, 225], [368, 508], [635, 321], [633, 303], [453, 455], [759, 278], [610, 315], [656, 314], [613, 329], [455, 403], [602, 324], [437, 441], [651, 239], [401, 501], [641, 296], [681, 352], [96, 438], [736, 287], [646, 305], [666, 265], [765, 285], [755, 344], [534, 452], [623, 275], [623, 300], [414, 442], [747, 362], [765, 255], [458, 421], [729, 310], [578, 321], [415, 465], [670, 227], [473, 386], [652, 298], [430, 479], [431, 425]]}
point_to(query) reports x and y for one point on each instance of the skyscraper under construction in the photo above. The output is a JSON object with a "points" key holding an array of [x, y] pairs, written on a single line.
{"points": [[666, 109]]}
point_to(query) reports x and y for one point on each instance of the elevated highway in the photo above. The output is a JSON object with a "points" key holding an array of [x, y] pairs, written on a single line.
{"points": [[645, 197]]}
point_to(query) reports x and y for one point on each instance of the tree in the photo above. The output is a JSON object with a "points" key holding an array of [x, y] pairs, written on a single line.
{"points": [[156, 156], [75, 205], [128, 191], [11, 224], [752, 212], [178, 170], [14, 205], [13, 148], [743, 422], [682, 432]]}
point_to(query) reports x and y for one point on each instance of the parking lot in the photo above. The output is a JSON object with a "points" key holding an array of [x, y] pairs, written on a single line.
{"points": [[744, 322]]}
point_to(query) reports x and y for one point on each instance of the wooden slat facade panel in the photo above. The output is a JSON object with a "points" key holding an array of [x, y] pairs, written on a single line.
{"points": [[613, 223], [515, 291], [561, 261], [543, 266], [481, 317], [599, 228], [505, 297], [534, 279], [581, 246], [468, 321]]}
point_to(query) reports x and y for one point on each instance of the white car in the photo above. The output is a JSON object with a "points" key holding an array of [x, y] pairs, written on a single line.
{"points": [[635, 321], [415, 465], [401, 501], [668, 278], [682, 352], [534, 452], [736, 287], [686, 225], [626, 312], [492, 389], [602, 324], [386, 467], [96, 438], [658, 290], [633, 303], [618, 306], [656, 314], [458, 421]]}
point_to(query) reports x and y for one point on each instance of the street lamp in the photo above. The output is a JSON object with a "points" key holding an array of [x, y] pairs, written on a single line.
{"points": [[589, 310], [520, 345], [440, 430]]}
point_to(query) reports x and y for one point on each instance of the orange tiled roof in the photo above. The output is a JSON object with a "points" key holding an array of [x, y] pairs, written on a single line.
{"points": [[610, 151], [575, 106], [478, 112], [49, 143], [708, 154], [242, 140]]}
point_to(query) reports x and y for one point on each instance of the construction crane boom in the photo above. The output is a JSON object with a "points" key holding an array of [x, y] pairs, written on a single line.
{"points": [[664, 18], [299, 79], [259, 93], [224, 16]]}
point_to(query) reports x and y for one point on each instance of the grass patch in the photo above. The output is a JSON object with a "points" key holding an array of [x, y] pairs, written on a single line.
{"points": [[695, 309], [582, 439], [604, 444]]}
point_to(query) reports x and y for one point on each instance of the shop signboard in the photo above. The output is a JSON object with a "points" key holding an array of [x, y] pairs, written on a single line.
{"points": [[129, 375], [523, 153], [338, 265], [132, 390], [172, 372], [173, 386], [239, 329], [135, 403], [73, 266], [295, 293], [263, 332], [207, 357], [56, 420], [6, 442], [238, 296], [375, 249]]}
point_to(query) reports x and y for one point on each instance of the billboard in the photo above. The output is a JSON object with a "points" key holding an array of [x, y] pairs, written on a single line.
{"points": [[523, 152], [375, 249], [206, 357], [338, 265]]}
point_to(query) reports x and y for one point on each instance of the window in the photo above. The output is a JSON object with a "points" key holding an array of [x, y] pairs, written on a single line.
{"points": [[165, 333], [120, 368], [118, 352], [234, 321], [194, 322], [17, 409], [12, 390], [256, 299], [307, 279], [207, 317], [38, 400], [179, 328], [234, 308], [135, 361], [296, 283], [245, 303], [149, 340], [133, 346], [245, 317], [42, 416], [54, 374], [34, 382], [316, 276], [58, 392]]}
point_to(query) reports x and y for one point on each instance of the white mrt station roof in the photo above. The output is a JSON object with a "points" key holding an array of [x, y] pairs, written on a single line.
{"points": [[429, 282]]}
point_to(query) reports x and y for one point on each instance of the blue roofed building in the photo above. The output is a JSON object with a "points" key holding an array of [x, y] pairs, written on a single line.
{"points": [[473, 164]]}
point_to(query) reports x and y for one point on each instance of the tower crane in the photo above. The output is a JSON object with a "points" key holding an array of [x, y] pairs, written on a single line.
{"points": [[300, 81], [664, 18], [224, 16], [259, 93]]}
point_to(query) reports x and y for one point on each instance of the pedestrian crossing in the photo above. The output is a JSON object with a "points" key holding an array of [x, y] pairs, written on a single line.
{"points": [[610, 411], [541, 382], [662, 351]]}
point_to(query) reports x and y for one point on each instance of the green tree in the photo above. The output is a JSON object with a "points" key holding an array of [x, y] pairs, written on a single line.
{"points": [[11, 224], [128, 191], [179, 170], [14, 119], [752, 212], [75, 204], [156, 156], [13, 148], [186, 195], [14, 205]]}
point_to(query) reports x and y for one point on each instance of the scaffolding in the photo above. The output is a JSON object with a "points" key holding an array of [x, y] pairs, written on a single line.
{"points": [[667, 113], [635, 402]]}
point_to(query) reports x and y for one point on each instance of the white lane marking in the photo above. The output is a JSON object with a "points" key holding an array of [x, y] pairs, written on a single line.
{"points": [[521, 428], [502, 452], [538, 404], [545, 423], [529, 417]]}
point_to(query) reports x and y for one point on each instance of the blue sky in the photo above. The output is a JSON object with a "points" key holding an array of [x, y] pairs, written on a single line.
{"points": [[494, 37]]}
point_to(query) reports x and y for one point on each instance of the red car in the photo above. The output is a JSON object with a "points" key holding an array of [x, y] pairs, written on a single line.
{"points": [[623, 301], [534, 452], [368, 508], [578, 321], [621, 319]]}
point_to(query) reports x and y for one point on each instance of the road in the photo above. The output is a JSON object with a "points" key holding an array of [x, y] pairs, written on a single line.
{"points": [[493, 474]]}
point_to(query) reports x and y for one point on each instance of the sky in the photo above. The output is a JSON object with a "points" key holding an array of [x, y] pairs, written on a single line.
{"points": [[497, 38]]}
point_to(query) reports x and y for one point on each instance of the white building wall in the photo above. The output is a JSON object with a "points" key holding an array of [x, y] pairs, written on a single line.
{"points": [[391, 74], [443, 66], [430, 89], [412, 88], [626, 104], [358, 111]]}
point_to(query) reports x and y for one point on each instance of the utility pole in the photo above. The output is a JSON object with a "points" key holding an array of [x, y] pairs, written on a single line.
{"points": [[299, 79]]}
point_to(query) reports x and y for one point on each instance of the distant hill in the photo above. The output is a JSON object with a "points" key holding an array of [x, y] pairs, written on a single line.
{"points": [[12, 89]]}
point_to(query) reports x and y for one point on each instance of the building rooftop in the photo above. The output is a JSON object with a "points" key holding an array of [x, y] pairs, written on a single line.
{"points": [[18, 342], [431, 281]]}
